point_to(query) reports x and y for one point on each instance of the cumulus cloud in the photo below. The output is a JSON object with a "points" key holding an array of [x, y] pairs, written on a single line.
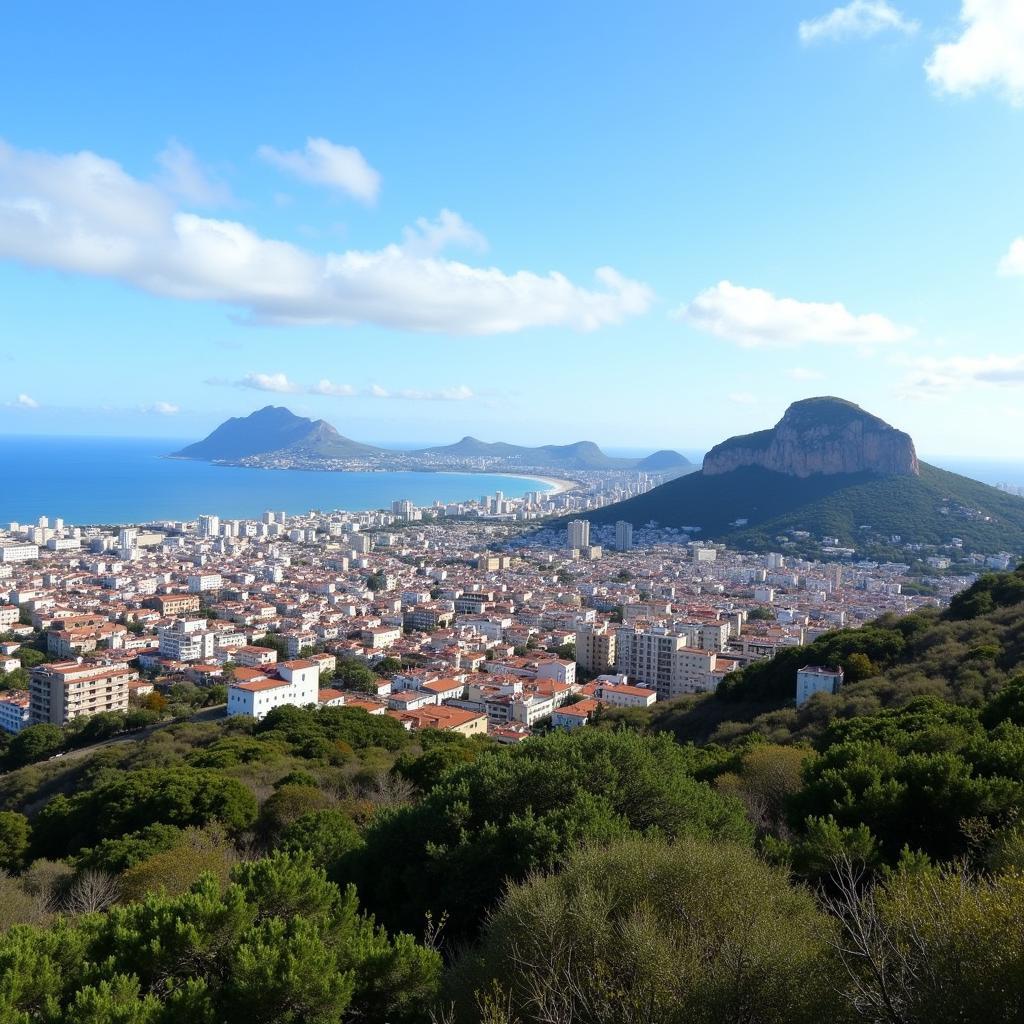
{"points": [[82, 213], [162, 408], [1012, 264], [323, 162], [182, 175], [989, 52], [24, 401], [859, 19], [275, 382], [755, 318]]}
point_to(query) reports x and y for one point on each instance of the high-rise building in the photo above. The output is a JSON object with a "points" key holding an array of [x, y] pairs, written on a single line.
{"points": [[624, 535], [595, 648], [209, 526], [579, 533], [662, 661]]}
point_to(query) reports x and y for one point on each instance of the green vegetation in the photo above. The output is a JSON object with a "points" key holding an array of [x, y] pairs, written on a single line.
{"points": [[861, 510], [858, 860]]}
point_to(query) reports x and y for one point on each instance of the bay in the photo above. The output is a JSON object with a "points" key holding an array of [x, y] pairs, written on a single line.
{"points": [[111, 480]]}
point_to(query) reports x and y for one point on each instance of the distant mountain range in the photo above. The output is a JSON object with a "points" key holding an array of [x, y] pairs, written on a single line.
{"points": [[832, 470], [275, 436]]}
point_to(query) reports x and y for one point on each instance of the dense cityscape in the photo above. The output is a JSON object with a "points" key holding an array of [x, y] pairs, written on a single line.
{"points": [[487, 620]]}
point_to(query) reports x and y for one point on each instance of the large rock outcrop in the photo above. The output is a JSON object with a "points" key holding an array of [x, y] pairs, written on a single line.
{"points": [[820, 435]]}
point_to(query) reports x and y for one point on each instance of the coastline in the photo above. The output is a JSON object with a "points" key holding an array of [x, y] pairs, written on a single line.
{"points": [[556, 485]]}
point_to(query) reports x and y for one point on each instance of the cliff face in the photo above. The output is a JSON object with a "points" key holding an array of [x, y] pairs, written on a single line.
{"points": [[820, 435]]}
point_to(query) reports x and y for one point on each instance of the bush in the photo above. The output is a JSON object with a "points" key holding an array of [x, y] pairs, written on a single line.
{"points": [[647, 931]]}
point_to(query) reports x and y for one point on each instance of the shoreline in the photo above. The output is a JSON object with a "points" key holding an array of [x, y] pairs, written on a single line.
{"points": [[557, 485]]}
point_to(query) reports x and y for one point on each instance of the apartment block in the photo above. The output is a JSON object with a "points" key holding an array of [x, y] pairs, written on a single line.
{"points": [[63, 691]]}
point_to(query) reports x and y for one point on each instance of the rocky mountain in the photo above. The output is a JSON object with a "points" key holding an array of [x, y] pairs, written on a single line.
{"points": [[273, 429], [820, 435], [828, 473], [275, 435]]}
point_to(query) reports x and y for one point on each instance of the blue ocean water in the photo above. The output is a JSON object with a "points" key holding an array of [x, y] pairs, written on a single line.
{"points": [[988, 471], [122, 480]]}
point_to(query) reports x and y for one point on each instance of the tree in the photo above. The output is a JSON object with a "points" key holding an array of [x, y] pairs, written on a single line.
{"points": [[327, 836], [287, 804], [34, 743], [126, 802], [645, 931], [930, 944], [14, 840], [520, 809]]}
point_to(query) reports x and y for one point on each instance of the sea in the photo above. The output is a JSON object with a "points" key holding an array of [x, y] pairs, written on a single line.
{"points": [[111, 480], [107, 480]]}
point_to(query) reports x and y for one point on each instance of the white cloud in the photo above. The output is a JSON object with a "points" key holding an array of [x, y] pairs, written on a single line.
{"points": [[988, 54], [804, 373], [928, 375], [162, 408], [324, 163], [859, 19], [182, 175], [1012, 264], [275, 382], [326, 387], [456, 394], [754, 318], [84, 214], [24, 401], [428, 237]]}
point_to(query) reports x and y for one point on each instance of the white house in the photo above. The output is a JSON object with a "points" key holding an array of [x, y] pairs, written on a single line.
{"points": [[812, 679], [292, 682]]}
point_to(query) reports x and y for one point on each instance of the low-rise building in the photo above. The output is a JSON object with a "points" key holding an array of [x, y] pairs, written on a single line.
{"points": [[812, 679], [292, 682], [15, 710]]}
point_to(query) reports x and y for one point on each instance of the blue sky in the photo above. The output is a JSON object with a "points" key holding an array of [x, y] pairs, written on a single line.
{"points": [[647, 224]]}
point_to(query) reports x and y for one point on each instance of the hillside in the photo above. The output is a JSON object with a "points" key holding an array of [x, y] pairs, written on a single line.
{"points": [[272, 429], [749, 493], [580, 455]]}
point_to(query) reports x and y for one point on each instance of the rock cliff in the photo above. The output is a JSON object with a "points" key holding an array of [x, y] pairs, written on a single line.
{"points": [[820, 435]]}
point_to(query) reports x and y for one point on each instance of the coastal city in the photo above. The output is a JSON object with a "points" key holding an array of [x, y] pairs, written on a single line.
{"points": [[474, 617]]}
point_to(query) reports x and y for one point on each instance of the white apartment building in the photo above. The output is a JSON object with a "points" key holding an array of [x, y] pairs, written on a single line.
{"points": [[15, 710], [812, 679], [9, 614], [294, 682], [662, 661], [255, 657], [623, 695], [203, 582], [187, 640], [15, 551], [62, 691]]}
